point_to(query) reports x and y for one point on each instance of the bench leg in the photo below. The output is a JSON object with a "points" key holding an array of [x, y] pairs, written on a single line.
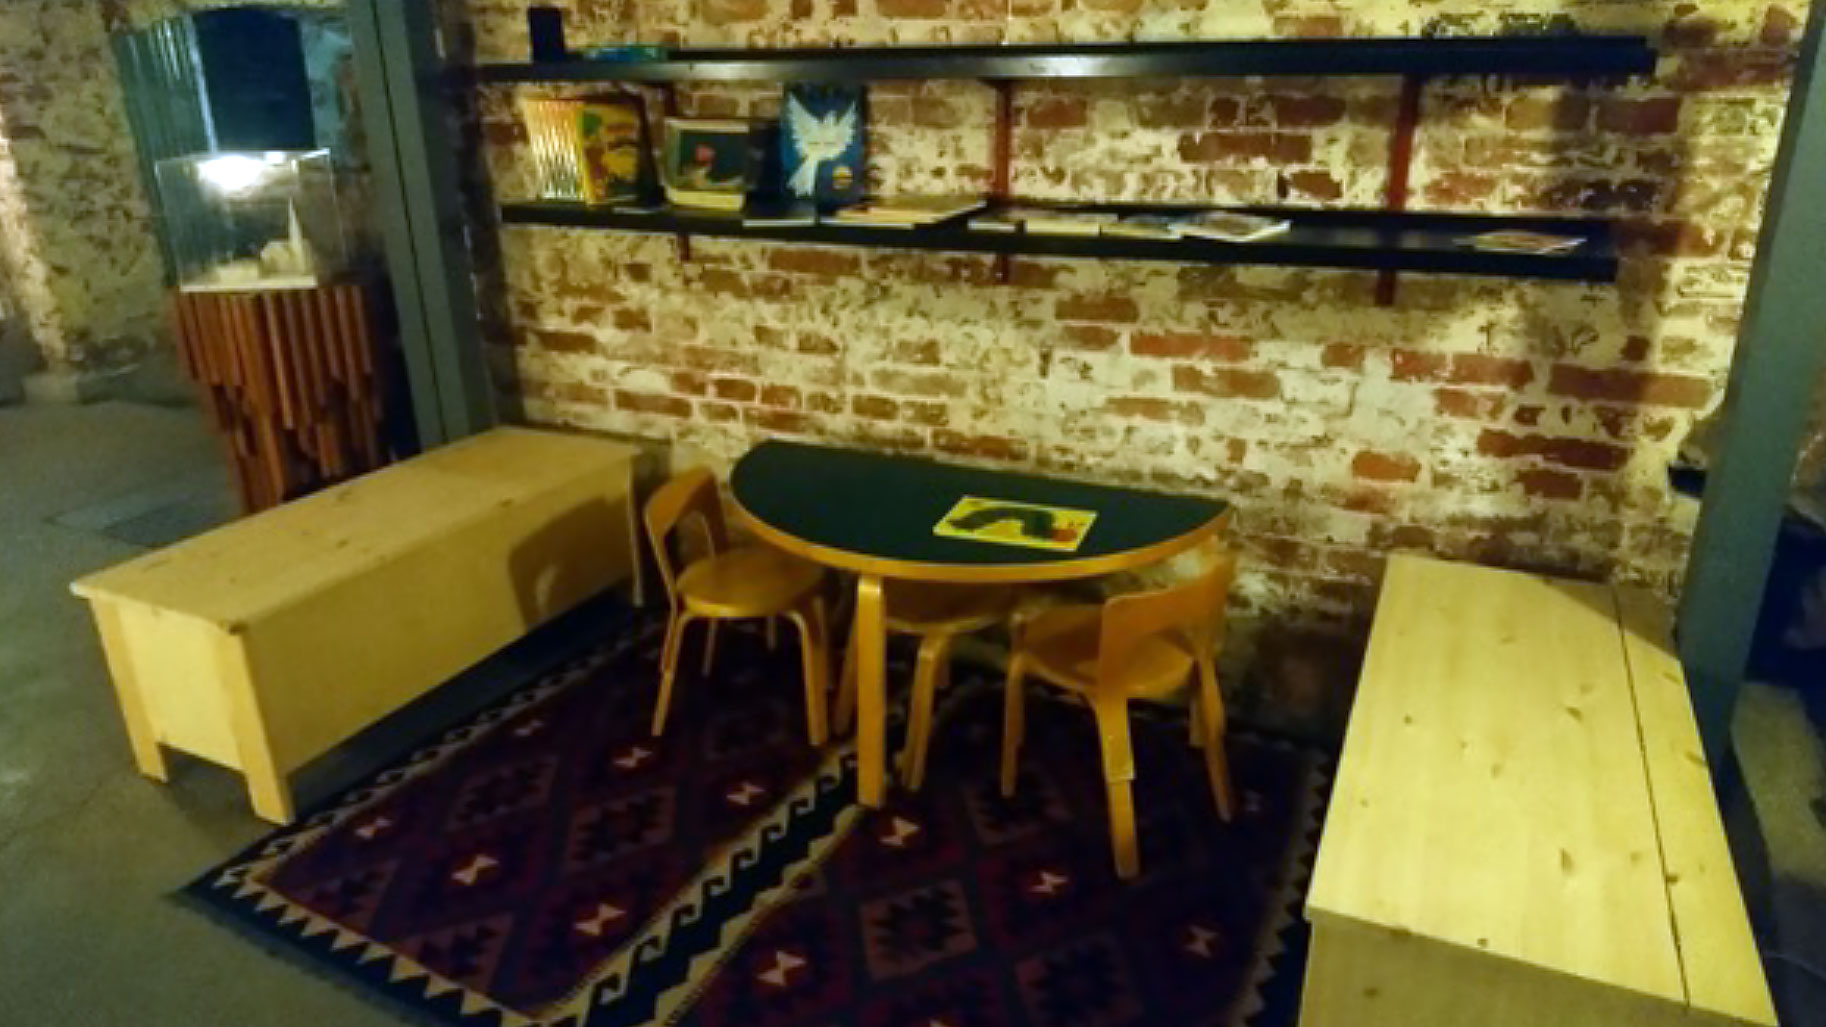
{"points": [[266, 784], [147, 755]]}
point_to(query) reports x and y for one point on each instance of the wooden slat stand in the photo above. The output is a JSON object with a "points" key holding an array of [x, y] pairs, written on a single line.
{"points": [[293, 381]]}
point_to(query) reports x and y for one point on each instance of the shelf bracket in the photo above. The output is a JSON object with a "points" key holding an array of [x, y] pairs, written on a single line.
{"points": [[1401, 166], [1001, 182]]}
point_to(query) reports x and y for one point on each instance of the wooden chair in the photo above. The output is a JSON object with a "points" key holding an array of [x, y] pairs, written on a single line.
{"points": [[936, 614], [1141, 646], [732, 583]]}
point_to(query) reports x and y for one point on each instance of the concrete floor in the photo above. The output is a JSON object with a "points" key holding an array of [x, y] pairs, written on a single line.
{"points": [[90, 852]]}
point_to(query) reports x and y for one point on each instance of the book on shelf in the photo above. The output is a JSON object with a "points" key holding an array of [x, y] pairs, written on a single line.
{"points": [[823, 144], [778, 213], [588, 150], [1510, 241], [1232, 226], [995, 221], [1044, 221], [715, 164], [908, 211]]}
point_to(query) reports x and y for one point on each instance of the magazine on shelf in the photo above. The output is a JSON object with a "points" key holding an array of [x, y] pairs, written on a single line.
{"points": [[1147, 226], [1232, 226], [1524, 242], [908, 211], [822, 143]]}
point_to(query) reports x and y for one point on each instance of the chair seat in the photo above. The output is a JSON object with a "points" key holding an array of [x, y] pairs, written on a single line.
{"points": [[1062, 643], [747, 581], [927, 608]]}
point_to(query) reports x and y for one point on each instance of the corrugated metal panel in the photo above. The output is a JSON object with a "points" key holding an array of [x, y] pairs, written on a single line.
{"points": [[161, 75]]}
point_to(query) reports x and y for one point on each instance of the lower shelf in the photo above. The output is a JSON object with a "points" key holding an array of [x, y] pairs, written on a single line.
{"points": [[1367, 240]]}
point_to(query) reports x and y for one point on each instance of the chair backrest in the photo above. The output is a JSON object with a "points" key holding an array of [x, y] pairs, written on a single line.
{"points": [[1193, 610], [690, 495]]}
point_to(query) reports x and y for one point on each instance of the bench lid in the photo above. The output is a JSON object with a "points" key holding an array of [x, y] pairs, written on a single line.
{"points": [[1499, 792], [264, 562]]}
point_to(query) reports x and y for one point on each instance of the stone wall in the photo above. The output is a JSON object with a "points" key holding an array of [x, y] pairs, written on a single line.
{"points": [[1518, 423], [78, 244]]}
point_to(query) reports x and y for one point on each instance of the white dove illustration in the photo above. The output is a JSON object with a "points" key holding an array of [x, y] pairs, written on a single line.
{"points": [[818, 139]]}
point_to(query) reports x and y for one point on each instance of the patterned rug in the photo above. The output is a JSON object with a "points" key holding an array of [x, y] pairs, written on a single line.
{"points": [[548, 863]]}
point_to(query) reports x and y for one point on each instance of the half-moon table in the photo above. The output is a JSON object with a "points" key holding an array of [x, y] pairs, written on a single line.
{"points": [[875, 514]]}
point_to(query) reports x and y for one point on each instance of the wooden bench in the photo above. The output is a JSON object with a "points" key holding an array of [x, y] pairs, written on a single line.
{"points": [[261, 645], [1523, 830]]}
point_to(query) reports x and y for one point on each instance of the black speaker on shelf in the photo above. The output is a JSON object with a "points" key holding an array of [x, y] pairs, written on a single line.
{"points": [[545, 27]]}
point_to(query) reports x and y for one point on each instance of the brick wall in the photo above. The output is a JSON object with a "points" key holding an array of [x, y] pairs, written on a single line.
{"points": [[1516, 423]]}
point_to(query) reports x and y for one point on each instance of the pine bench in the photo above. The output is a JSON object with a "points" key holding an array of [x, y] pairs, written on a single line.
{"points": [[262, 644], [1523, 830]]}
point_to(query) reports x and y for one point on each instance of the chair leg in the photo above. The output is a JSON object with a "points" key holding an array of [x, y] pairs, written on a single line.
{"points": [[846, 689], [1118, 775], [668, 669], [811, 645], [1014, 723], [710, 649], [934, 653], [1210, 720]]}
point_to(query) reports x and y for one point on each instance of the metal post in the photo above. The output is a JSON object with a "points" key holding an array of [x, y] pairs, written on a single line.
{"points": [[417, 199], [1780, 356]]}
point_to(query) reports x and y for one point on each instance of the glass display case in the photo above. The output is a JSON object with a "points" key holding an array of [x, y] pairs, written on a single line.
{"points": [[265, 220]]}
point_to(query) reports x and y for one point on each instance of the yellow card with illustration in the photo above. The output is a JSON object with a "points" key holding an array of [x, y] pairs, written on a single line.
{"points": [[1007, 523]]}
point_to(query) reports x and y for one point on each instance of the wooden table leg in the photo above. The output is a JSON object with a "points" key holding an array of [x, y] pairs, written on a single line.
{"points": [[871, 692]]}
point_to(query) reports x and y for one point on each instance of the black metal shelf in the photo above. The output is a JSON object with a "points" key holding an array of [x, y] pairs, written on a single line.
{"points": [[1550, 55], [1369, 240]]}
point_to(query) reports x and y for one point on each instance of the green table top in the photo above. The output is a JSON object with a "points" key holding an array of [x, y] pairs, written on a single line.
{"points": [[876, 512]]}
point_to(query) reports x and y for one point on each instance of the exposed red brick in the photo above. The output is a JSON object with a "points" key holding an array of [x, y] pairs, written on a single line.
{"points": [[880, 408], [935, 384], [1781, 27], [1636, 348], [824, 402], [1373, 466], [1227, 348], [1621, 385], [629, 320], [565, 342], [652, 403], [1316, 185], [1093, 337], [1154, 408], [828, 262], [789, 421], [1307, 110], [1459, 188], [1544, 483], [988, 447], [1567, 452], [1624, 116], [1111, 309], [818, 345], [1475, 406], [721, 413], [783, 396], [1227, 382], [913, 8], [1058, 112], [690, 383], [722, 282], [1529, 416], [1568, 113], [1342, 355], [1406, 365], [738, 389], [724, 12]]}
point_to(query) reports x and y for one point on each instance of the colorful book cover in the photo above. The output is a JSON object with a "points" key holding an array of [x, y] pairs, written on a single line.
{"points": [[612, 148], [715, 164], [822, 150], [556, 171], [1007, 523]]}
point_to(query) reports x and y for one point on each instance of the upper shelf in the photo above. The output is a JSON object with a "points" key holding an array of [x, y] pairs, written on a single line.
{"points": [[1562, 56]]}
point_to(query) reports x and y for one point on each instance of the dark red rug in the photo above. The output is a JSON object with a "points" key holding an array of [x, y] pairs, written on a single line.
{"points": [[549, 863]]}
